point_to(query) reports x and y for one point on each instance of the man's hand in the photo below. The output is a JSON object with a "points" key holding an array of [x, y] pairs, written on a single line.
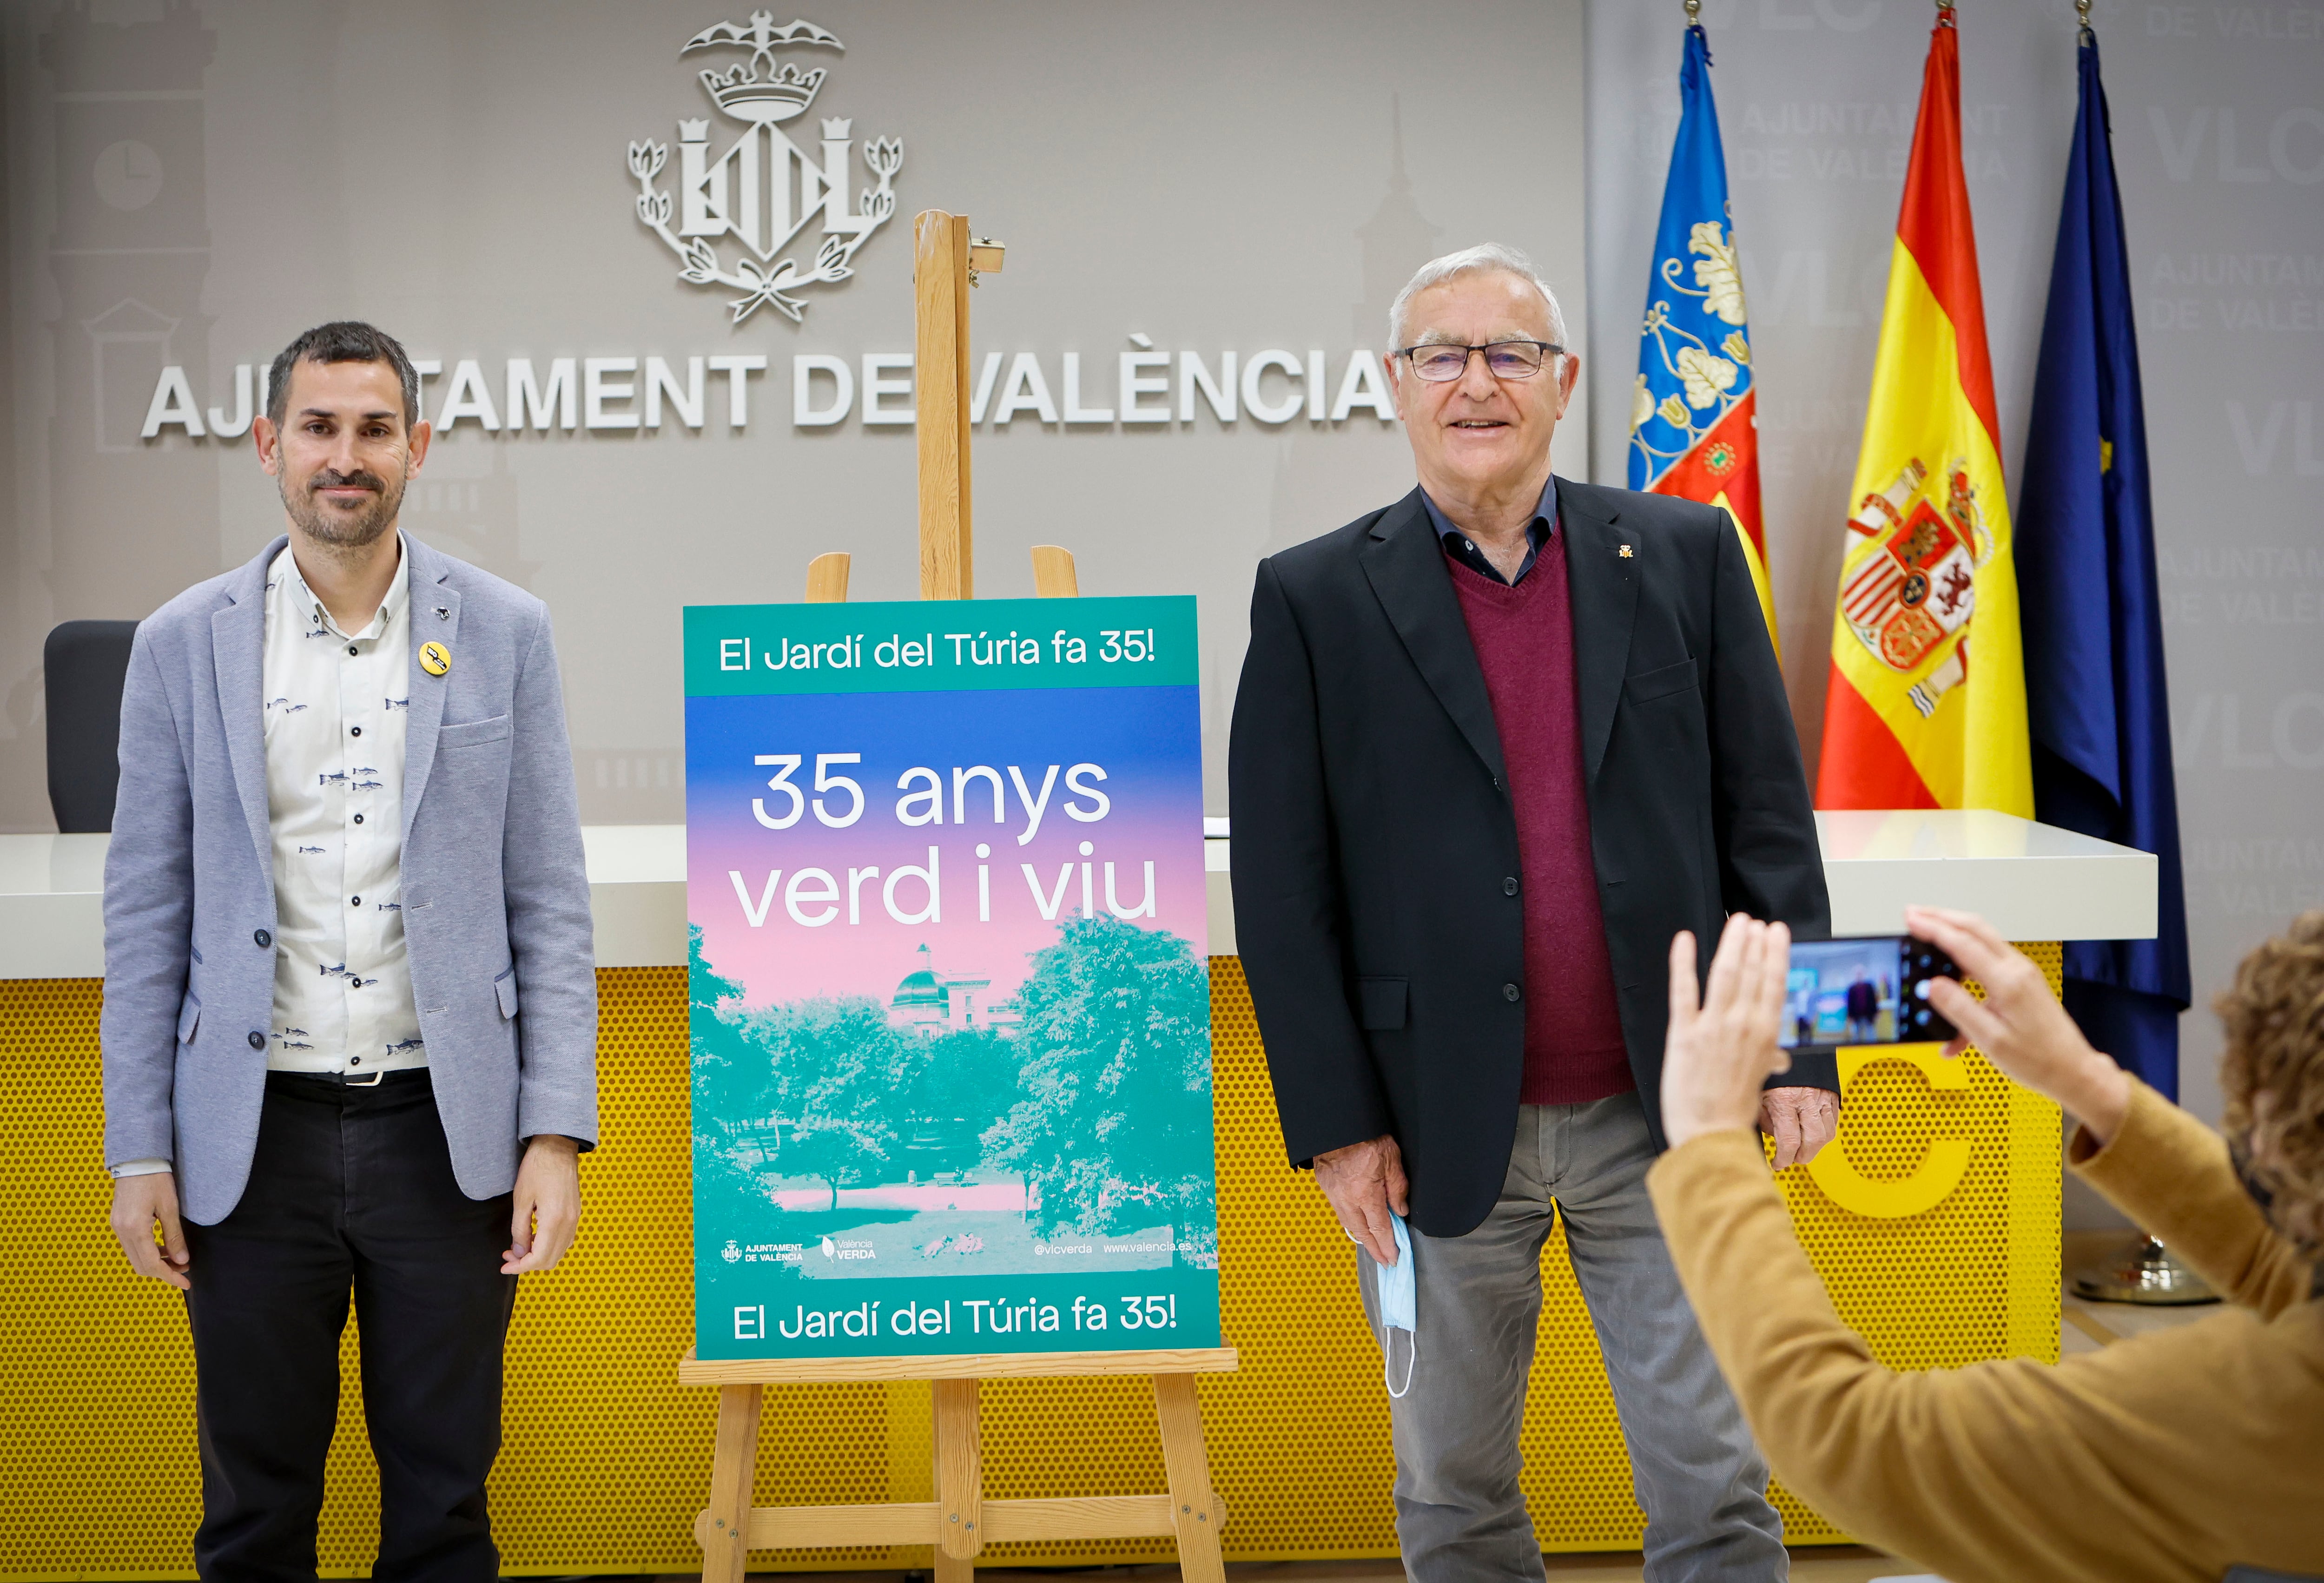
{"points": [[548, 1210], [139, 1204], [1362, 1183], [1801, 1120], [1721, 1044], [2019, 1026]]}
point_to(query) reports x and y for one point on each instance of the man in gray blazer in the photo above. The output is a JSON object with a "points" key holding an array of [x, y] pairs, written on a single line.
{"points": [[350, 1004]]}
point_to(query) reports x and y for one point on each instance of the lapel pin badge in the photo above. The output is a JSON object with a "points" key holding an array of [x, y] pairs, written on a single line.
{"points": [[435, 659], [443, 613], [1626, 553]]}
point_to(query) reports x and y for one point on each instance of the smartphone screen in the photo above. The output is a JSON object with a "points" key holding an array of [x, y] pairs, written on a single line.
{"points": [[1869, 990]]}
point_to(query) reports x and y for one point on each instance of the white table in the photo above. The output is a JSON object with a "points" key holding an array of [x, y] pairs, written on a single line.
{"points": [[52, 900], [2033, 881]]}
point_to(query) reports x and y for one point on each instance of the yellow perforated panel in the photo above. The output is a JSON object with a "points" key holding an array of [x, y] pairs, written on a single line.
{"points": [[607, 1459]]}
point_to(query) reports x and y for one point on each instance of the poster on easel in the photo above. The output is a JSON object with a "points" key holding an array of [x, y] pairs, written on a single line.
{"points": [[949, 984]]}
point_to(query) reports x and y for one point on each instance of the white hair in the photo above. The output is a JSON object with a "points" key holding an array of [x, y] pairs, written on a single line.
{"points": [[1490, 257]]}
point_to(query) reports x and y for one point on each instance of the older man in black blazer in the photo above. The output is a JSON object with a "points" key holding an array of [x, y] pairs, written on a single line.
{"points": [[1493, 746]]}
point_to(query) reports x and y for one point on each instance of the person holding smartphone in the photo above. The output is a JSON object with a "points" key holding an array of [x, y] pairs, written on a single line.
{"points": [[2194, 1453]]}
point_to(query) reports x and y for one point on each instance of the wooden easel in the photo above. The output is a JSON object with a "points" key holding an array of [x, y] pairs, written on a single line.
{"points": [[959, 1523]]}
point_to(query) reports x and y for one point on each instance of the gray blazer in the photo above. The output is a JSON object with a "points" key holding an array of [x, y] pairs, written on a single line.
{"points": [[495, 893]]}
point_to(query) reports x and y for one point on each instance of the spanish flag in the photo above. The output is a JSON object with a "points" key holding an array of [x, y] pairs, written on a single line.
{"points": [[1926, 707]]}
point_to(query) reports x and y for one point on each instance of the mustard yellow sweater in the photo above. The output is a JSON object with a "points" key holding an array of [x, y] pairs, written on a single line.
{"points": [[2173, 1455]]}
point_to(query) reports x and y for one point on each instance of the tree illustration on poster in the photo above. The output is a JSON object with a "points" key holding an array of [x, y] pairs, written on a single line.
{"points": [[1114, 1093], [950, 1003]]}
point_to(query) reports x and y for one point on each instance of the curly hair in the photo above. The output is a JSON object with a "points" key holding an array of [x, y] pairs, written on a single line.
{"points": [[2272, 1074]]}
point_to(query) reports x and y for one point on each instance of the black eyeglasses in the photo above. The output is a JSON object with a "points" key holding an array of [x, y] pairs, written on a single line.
{"points": [[1440, 362]]}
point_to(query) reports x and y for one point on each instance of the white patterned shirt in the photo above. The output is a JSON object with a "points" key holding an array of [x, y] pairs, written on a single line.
{"points": [[335, 707]]}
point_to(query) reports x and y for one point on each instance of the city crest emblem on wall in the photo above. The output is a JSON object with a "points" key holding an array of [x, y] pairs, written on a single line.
{"points": [[763, 191]]}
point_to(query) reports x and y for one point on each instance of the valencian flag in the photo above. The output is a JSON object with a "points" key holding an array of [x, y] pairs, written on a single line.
{"points": [[1693, 412], [1926, 707], [2100, 714]]}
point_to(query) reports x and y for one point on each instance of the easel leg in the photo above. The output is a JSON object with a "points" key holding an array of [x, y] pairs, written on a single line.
{"points": [[960, 1481], [733, 1468], [1189, 1468]]}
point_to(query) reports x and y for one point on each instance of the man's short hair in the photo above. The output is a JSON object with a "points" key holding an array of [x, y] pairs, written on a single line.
{"points": [[1486, 258], [2272, 1074], [342, 340]]}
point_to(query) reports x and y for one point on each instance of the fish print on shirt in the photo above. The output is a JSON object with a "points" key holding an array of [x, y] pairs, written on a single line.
{"points": [[335, 751]]}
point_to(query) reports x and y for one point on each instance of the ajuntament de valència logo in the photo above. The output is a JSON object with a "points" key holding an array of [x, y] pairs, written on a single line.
{"points": [[764, 190], [740, 217]]}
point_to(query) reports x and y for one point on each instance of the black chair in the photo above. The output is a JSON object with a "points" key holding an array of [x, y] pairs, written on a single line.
{"points": [[85, 663]]}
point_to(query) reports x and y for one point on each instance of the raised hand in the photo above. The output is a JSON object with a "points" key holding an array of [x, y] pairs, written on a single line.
{"points": [[2019, 1025], [1721, 1048]]}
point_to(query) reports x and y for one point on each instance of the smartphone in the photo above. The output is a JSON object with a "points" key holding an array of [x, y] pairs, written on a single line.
{"points": [[1866, 989]]}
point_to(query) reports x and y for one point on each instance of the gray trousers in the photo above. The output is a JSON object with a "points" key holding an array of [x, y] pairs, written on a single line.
{"points": [[1459, 1514]]}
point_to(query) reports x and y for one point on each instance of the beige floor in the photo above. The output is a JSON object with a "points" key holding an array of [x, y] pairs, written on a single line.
{"points": [[1821, 1564]]}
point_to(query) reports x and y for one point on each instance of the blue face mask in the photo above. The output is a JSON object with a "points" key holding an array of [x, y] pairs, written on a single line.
{"points": [[1399, 1306]]}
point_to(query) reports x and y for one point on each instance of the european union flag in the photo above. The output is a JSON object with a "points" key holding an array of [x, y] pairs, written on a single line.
{"points": [[2093, 624]]}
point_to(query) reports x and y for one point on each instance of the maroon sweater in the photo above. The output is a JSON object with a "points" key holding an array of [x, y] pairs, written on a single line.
{"points": [[1523, 638]]}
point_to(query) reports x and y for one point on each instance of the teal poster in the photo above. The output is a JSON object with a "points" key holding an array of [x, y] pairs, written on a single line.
{"points": [[950, 1006]]}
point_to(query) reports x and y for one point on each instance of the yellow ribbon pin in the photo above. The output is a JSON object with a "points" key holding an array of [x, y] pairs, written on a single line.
{"points": [[435, 659]]}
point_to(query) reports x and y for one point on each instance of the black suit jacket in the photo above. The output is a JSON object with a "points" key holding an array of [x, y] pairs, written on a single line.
{"points": [[1374, 842]]}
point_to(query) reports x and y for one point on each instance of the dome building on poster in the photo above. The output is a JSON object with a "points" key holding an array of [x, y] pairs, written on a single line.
{"points": [[928, 1002]]}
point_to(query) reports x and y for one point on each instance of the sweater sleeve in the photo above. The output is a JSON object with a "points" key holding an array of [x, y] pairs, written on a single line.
{"points": [[2106, 1465], [2172, 1174]]}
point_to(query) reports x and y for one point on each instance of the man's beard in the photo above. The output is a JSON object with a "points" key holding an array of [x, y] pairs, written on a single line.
{"points": [[342, 530]]}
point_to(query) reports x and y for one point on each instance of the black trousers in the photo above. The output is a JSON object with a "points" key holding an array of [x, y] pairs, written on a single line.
{"points": [[350, 1192]]}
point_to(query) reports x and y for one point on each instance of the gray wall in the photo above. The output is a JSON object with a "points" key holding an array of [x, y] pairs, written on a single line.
{"points": [[1211, 176], [2219, 137]]}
